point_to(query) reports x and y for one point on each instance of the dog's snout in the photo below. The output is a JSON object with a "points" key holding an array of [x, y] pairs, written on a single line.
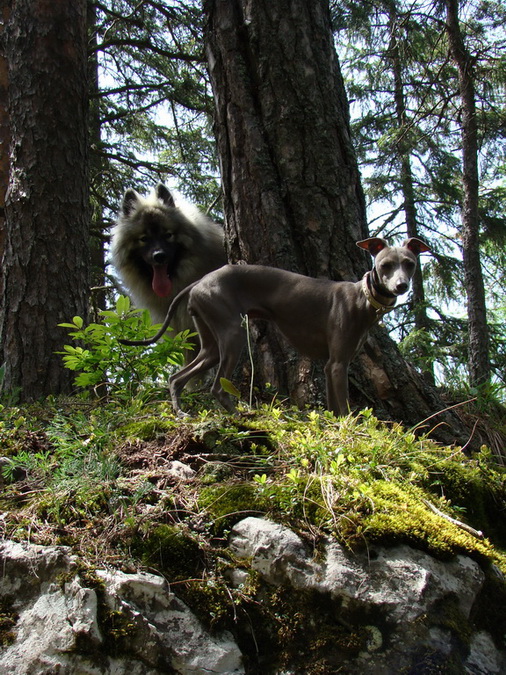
{"points": [[401, 287], [159, 257]]}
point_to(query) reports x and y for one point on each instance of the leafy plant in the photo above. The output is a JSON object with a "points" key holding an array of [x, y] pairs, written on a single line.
{"points": [[100, 359]]}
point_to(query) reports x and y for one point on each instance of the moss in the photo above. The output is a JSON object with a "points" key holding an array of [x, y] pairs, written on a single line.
{"points": [[399, 515], [230, 502], [214, 472], [118, 629], [170, 550], [8, 620], [478, 491], [146, 429], [212, 601], [74, 506]]}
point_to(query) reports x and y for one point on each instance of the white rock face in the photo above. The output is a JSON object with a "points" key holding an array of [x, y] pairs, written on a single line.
{"points": [[168, 625], [401, 582], [61, 624], [57, 630]]}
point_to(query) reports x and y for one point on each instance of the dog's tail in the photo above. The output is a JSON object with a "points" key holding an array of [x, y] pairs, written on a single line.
{"points": [[170, 315]]}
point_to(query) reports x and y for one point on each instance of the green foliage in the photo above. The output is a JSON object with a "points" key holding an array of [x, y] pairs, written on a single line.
{"points": [[154, 104], [96, 478], [100, 359], [170, 550], [229, 387], [229, 503], [406, 122], [400, 515]]}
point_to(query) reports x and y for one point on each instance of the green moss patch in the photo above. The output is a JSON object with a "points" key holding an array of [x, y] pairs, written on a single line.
{"points": [[399, 514], [169, 549]]}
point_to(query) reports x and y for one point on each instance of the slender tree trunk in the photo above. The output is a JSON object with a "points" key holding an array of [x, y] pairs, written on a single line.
{"points": [[479, 363], [46, 250], [293, 197], [97, 238], [407, 187]]}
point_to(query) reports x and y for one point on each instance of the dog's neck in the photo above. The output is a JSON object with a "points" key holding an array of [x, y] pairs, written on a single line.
{"points": [[381, 300]]}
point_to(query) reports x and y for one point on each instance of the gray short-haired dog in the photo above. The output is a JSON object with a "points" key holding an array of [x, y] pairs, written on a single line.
{"points": [[322, 319]]}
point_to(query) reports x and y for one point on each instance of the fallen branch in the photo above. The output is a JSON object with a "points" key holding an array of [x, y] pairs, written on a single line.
{"points": [[476, 533]]}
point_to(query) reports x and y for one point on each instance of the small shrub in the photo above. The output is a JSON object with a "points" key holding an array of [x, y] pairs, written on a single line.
{"points": [[100, 359]]}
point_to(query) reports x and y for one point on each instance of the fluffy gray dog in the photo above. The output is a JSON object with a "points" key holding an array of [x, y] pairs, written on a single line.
{"points": [[159, 248]]}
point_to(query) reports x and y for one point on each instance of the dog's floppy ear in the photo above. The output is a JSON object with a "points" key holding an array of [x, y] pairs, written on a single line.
{"points": [[163, 194], [130, 201], [374, 245], [416, 246]]}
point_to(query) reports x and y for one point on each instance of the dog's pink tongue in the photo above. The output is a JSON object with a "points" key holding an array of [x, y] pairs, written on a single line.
{"points": [[162, 285]]}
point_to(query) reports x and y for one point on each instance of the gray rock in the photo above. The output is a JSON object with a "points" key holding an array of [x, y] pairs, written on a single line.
{"points": [[399, 584], [58, 630], [180, 470], [408, 612], [401, 580]]}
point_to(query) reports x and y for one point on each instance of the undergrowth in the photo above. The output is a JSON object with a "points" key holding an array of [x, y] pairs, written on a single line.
{"points": [[100, 479], [130, 486]]}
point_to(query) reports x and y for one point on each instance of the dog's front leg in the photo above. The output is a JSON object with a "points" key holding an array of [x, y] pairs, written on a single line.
{"points": [[336, 376]]}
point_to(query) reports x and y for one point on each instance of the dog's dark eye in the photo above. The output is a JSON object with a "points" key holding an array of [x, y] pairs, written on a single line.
{"points": [[143, 239], [386, 267], [169, 235]]}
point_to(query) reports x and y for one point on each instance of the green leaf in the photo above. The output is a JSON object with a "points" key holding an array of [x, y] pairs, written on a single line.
{"points": [[229, 387], [123, 304]]}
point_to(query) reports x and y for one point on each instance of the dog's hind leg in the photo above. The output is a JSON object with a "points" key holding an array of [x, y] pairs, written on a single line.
{"points": [[207, 357]]}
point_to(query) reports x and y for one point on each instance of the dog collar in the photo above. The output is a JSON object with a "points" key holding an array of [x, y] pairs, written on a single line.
{"points": [[380, 308]]}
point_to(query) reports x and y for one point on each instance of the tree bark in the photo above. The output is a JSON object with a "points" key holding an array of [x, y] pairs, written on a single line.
{"points": [[46, 250], [4, 122], [479, 356], [292, 191]]}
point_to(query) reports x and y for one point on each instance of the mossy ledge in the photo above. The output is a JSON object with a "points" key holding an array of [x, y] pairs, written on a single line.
{"points": [[100, 479]]}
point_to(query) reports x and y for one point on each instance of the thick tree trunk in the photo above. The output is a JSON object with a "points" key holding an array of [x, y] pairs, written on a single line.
{"points": [[46, 250], [479, 357], [293, 197]]}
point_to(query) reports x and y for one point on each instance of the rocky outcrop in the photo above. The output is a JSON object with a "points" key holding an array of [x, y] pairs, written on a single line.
{"points": [[405, 611], [421, 606], [126, 624]]}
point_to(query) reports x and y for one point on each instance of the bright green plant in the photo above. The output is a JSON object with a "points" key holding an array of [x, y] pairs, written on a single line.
{"points": [[100, 359]]}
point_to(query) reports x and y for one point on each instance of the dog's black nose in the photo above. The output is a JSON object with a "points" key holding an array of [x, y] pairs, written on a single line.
{"points": [[401, 287], [159, 257]]}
